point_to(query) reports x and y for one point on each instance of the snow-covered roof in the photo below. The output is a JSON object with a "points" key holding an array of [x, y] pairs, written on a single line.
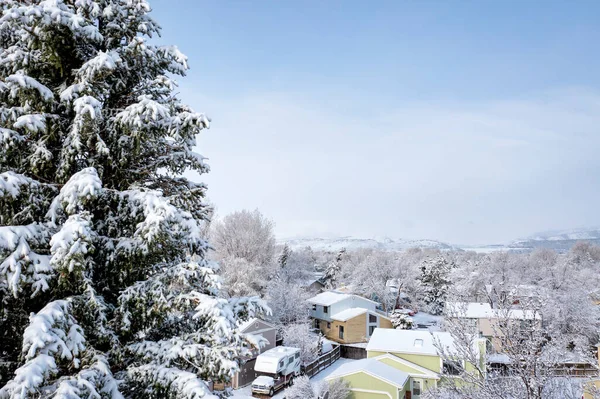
{"points": [[244, 326], [348, 314], [470, 310], [374, 368], [328, 298], [475, 310], [409, 341]]}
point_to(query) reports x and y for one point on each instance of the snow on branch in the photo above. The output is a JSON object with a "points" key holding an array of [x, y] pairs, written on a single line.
{"points": [[22, 265], [145, 111], [33, 123], [49, 13], [171, 382], [11, 183], [52, 333], [80, 189], [20, 81]]}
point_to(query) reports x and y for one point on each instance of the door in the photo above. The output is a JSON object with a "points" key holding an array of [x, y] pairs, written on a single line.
{"points": [[246, 374]]}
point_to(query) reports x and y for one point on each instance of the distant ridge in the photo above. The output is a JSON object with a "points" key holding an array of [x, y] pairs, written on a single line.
{"points": [[353, 243], [559, 240]]}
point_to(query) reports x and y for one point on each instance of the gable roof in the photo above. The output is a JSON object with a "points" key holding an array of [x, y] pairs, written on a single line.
{"points": [[328, 298], [475, 310], [374, 368], [421, 371], [246, 325], [409, 341]]}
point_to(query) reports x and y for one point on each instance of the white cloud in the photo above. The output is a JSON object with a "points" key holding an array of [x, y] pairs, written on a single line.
{"points": [[459, 172]]}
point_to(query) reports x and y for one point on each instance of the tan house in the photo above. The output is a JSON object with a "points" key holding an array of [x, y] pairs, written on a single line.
{"points": [[255, 327], [485, 321], [346, 318]]}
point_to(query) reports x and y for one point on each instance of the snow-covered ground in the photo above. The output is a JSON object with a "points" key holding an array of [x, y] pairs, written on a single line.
{"points": [[246, 392], [426, 321]]}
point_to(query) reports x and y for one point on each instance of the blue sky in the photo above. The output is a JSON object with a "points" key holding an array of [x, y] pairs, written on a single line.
{"points": [[468, 122]]}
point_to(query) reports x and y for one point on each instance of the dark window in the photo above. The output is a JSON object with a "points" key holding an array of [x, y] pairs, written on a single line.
{"points": [[317, 323], [452, 368], [281, 363], [372, 318], [325, 309], [372, 330], [341, 332], [297, 355], [291, 360], [416, 389], [314, 307], [328, 325]]}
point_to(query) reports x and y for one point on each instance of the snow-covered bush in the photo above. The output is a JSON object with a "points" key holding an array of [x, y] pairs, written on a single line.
{"points": [[300, 336], [400, 320], [304, 389], [104, 284]]}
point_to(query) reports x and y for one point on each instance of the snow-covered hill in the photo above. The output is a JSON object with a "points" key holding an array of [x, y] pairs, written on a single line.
{"points": [[560, 240], [353, 243]]}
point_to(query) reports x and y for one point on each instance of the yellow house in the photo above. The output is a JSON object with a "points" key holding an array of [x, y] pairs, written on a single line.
{"points": [[373, 379], [346, 318], [416, 354]]}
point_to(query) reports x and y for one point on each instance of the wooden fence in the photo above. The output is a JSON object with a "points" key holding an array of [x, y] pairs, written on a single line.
{"points": [[321, 363], [353, 352]]}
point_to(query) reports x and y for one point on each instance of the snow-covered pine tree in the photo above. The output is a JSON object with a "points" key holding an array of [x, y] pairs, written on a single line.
{"points": [[105, 291], [284, 256], [435, 281], [333, 269]]}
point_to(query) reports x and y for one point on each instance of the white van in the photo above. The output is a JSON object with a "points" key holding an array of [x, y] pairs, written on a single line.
{"points": [[276, 368]]}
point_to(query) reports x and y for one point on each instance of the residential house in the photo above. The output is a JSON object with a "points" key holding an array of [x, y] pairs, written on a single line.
{"points": [[416, 353], [486, 321], [314, 284], [373, 379], [255, 327], [346, 318]]}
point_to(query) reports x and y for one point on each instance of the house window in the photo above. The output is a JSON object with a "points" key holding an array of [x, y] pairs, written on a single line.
{"points": [[372, 318], [328, 325], [450, 367], [341, 332], [316, 323], [314, 307], [372, 330], [325, 309], [416, 388]]}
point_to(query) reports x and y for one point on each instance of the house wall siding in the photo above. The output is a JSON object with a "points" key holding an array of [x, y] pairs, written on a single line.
{"points": [[430, 362], [367, 382], [354, 330]]}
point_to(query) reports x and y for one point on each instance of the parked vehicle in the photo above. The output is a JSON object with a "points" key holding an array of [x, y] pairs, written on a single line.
{"points": [[276, 369]]}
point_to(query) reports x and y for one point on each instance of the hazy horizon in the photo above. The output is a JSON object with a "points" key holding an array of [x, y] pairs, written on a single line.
{"points": [[463, 123]]}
